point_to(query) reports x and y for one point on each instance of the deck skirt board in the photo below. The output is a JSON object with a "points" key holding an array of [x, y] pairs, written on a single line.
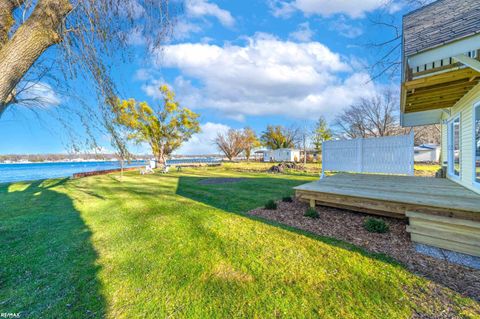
{"points": [[441, 213], [367, 206]]}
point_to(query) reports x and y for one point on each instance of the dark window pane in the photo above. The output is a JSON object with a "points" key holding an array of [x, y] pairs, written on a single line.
{"points": [[456, 146], [477, 144]]}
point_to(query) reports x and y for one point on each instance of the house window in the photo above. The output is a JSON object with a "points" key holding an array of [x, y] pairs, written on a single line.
{"points": [[477, 143], [454, 156]]}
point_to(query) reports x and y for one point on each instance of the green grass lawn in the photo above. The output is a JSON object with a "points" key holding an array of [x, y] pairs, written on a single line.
{"points": [[427, 170], [167, 246]]}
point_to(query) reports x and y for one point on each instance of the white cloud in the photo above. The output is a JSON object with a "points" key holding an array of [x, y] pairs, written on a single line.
{"points": [[345, 29], [143, 75], [327, 8], [266, 76], [281, 9], [39, 94], [202, 8], [152, 88], [196, 12], [202, 143], [184, 29], [303, 33]]}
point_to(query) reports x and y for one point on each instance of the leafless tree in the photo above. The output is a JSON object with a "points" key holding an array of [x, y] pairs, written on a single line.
{"points": [[293, 136], [83, 37], [231, 143], [370, 117], [388, 51], [427, 134], [378, 116], [304, 138]]}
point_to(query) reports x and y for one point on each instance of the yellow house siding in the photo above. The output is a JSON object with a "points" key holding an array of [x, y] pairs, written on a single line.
{"points": [[465, 108]]}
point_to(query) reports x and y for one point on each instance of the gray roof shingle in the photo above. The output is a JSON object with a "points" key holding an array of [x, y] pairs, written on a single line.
{"points": [[438, 23]]}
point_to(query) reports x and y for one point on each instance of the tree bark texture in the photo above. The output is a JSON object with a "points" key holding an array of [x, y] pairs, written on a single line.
{"points": [[6, 18], [32, 38]]}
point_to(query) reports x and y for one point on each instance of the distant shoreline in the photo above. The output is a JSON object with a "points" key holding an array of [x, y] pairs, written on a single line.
{"points": [[23, 171], [71, 161], [63, 161]]}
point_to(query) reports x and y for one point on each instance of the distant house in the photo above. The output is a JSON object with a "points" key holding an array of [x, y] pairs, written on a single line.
{"points": [[427, 153], [258, 154], [282, 155]]}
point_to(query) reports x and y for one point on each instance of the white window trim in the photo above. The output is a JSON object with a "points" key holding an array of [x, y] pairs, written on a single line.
{"points": [[474, 144], [450, 164]]}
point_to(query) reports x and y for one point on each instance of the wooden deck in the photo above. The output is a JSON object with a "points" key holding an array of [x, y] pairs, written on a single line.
{"points": [[441, 212], [393, 195]]}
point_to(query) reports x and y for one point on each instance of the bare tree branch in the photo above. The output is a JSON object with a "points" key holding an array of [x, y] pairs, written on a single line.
{"points": [[377, 116], [231, 144], [388, 52]]}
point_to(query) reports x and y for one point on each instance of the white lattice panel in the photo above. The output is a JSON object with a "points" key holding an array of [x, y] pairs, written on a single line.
{"points": [[387, 155]]}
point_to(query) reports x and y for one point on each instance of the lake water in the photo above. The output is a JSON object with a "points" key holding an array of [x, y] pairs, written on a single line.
{"points": [[34, 171]]}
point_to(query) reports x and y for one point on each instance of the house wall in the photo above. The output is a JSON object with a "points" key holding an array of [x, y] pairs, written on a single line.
{"points": [[266, 156], [282, 155], [426, 156], [465, 108]]}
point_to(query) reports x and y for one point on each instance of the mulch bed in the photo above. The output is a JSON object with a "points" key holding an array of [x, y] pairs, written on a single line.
{"points": [[213, 181], [348, 226]]}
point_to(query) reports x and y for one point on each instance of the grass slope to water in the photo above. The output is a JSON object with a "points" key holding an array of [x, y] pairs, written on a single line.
{"points": [[171, 246]]}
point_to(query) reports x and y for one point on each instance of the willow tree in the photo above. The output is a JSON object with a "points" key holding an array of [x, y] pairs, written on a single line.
{"points": [[164, 127], [85, 35]]}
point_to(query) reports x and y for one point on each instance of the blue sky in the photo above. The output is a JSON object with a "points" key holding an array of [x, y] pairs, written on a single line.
{"points": [[237, 63]]}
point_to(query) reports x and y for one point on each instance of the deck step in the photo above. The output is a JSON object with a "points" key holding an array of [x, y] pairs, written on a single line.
{"points": [[445, 232], [443, 219]]}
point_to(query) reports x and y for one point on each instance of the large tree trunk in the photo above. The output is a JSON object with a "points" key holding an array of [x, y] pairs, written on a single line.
{"points": [[161, 159], [248, 154], [33, 37], [6, 18]]}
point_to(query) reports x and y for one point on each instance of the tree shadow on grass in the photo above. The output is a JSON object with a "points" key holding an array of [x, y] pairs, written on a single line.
{"points": [[251, 193], [48, 264]]}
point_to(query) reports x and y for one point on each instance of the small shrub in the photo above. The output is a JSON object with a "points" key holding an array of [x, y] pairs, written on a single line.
{"points": [[271, 205], [312, 213], [287, 199], [374, 225]]}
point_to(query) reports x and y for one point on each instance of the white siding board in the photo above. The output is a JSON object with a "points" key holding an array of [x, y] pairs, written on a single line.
{"points": [[464, 107]]}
